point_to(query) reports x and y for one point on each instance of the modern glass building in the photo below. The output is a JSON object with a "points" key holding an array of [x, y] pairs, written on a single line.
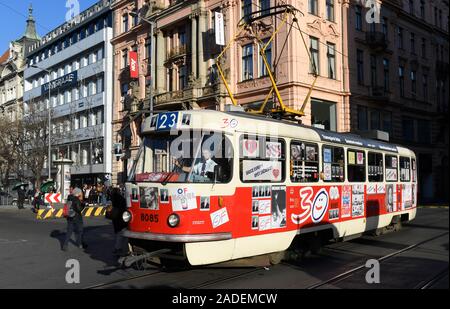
{"points": [[68, 71]]}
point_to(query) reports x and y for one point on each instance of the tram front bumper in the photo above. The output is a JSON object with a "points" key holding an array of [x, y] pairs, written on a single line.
{"points": [[181, 238]]}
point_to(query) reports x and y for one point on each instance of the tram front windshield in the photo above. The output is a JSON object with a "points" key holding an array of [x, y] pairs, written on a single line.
{"points": [[188, 156]]}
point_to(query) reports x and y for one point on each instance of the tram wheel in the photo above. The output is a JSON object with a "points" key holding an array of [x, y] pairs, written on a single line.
{"points": [[398, 226], [276, 258], [379, 232]]}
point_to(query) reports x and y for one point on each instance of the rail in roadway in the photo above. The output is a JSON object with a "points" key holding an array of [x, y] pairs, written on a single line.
{"points": [[351, 272]]}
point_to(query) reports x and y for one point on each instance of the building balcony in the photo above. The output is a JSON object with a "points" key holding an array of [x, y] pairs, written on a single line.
{"points": [[131, 104], [174, 97], [376, 40], [211, 90], [188, 95], [176, 52], [124, 75]]}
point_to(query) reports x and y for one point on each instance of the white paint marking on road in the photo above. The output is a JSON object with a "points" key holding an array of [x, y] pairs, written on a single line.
{"points": [[7, 241]]}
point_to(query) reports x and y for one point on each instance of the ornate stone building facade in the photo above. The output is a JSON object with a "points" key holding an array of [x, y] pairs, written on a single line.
{"points": [[177, 62], [12, 65], [131, 34], [399, 82]]}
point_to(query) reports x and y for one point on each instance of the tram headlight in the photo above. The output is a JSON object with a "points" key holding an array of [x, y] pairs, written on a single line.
{"points": [[173, 220], [126, 217]]}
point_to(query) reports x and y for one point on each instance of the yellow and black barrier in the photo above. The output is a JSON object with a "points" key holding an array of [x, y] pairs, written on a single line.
{"points": [[44, 214]]}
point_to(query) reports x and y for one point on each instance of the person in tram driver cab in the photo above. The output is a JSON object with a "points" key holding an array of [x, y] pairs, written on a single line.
{"points": [[204, 170]]}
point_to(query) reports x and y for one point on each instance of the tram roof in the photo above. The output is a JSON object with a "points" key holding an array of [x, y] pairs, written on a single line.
{"points": [[313, 134], [348, 139]]}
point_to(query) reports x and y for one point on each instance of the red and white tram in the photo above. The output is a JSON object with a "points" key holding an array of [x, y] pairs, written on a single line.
{"points": [[219, 186]]}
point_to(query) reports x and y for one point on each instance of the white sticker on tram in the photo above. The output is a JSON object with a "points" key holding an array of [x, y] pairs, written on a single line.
{"points": [[371, 189], [183, 199], [334, 193], [261, 170], [219, 217], [381, 189]]}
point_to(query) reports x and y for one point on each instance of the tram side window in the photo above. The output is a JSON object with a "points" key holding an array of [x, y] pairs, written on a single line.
{"points": [[304, 162], [375, 162], [262, 159], [414, 170], [333, 164], [405, 169], [356, 167], [391, 168]]}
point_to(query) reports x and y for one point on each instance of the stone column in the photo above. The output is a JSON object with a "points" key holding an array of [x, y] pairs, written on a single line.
{"points": [[346, 117], [153, 61], [203, 20], [160, 57], [175, 74], [194, 45]]}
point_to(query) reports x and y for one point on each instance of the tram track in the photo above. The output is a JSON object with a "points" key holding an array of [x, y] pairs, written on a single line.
{"points": [[221, 280], [210, 283], [128, 280], [430, 283], [114, 283], [355, 270]]}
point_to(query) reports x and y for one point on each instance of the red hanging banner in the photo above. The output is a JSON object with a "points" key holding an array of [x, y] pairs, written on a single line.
{"points": [[134, 70]]}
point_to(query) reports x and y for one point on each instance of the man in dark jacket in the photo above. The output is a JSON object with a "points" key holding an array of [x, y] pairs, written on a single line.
{"points": [[75, 219], [20, 197], [119, 205]]}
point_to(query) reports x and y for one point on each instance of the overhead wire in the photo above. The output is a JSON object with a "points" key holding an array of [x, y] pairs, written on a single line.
{"points": [[299, 29]]}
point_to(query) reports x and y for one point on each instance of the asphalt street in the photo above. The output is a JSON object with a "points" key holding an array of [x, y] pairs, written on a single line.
{"points": [[30, 257]]}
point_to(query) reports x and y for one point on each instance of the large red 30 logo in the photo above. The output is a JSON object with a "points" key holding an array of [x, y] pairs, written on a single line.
{"points": [[316, 209], [305, 204]]}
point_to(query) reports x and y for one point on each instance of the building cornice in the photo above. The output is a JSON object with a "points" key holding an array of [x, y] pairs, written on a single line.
{"points": [[133, 31], [395, 7], [170, 10], [118, 3]]}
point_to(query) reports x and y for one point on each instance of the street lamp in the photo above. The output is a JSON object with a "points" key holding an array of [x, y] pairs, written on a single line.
{"points": [[152, 26], [49, 121]]}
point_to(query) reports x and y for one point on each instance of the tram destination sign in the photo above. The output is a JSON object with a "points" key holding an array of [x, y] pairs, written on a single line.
{"points": [[355, 141], [65, 81]]}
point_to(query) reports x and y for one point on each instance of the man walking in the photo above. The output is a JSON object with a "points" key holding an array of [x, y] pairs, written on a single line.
{"points": [[75, 219], [119, 205], [20, 197]]}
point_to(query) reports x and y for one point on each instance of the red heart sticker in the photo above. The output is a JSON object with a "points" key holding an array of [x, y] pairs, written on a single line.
{"points": [[250, 146], [276, 173]]}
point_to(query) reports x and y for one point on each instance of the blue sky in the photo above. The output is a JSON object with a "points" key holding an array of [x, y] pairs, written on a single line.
{"points": [[48, 14]]}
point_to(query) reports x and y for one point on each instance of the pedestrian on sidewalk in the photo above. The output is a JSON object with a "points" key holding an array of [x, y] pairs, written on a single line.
{"points": [[38, 200], [119, 206], [20, 197], [75, 219]]}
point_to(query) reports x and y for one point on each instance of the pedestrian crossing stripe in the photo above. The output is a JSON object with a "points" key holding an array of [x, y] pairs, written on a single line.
{"points": [[44, 214]]}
